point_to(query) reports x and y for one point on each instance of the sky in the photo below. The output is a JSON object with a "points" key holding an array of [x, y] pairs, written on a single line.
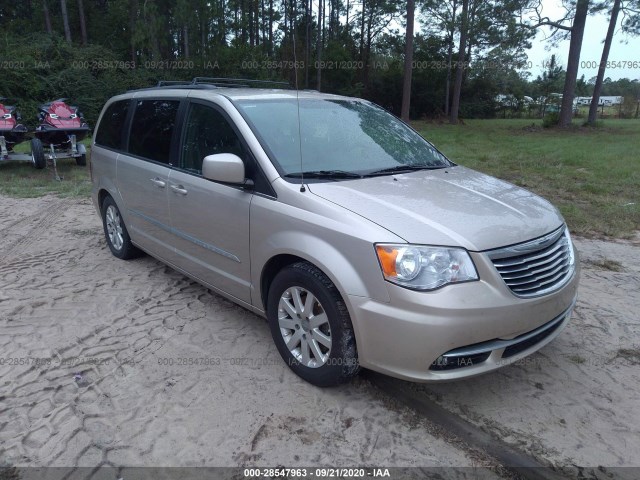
{"points": [[623, 48]]}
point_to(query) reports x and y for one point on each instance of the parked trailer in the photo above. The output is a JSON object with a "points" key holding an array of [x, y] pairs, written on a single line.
{"points": [[42, 155], [605, 101]]}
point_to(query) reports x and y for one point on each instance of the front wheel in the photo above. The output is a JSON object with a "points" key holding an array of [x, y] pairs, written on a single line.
{"points": [[311, 327], [115, 231], [37, 154]]}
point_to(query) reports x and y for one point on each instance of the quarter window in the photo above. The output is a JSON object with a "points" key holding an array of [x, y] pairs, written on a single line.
{"points": [[207, 133], [111, 130], [152, 129]]}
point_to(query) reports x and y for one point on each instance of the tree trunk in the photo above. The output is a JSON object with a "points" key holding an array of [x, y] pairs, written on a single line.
{"points": [[222, 24], [65, 20], [457, 88], [573, 62], [324, 23], [256, 14], [236, 17], [185, 39], [347, 13], [597, 89], [243, 30], [319, 48], [408, 62], [334, 19], [133, 15], [473, 8], [203, 42], [308, 5], [252, 28], [263, 19], [83, 24], [285, 29], [362, 23], [270, 28], [47, 17], [330, 17], [367, 50], [447, 89]]}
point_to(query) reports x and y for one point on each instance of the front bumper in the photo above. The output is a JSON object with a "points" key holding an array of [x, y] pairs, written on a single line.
{"points": [[410, 336]]}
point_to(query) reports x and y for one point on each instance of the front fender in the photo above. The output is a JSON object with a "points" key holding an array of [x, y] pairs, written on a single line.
{"points": [[343, 249], [340, 269]]}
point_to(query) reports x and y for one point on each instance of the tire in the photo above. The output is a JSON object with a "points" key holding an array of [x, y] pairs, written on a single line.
{"points": [[312, 357], [115, 232], [37, 154], [82, 159]]}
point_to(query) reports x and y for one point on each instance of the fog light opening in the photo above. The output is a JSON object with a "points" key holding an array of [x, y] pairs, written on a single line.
{"points": [[450, 362]]}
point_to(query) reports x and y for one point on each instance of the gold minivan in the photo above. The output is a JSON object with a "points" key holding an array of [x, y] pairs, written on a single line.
{"points": [[360, 242]]}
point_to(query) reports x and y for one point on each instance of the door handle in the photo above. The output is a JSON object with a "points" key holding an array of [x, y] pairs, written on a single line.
{"points": [[179, 189], [158, 183]]}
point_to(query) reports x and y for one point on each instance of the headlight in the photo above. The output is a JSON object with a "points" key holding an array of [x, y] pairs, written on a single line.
{"points": [[572, 257], [425, 268]]}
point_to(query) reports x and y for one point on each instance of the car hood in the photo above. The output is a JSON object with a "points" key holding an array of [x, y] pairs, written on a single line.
{"points": [[455, 206]]}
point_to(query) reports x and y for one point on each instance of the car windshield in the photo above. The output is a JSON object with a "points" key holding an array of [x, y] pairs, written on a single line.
{"points": [[337, 135]]}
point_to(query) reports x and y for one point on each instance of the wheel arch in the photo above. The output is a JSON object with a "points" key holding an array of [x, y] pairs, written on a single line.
{"points": [[102, 194], [271, 269], [107, 188]]}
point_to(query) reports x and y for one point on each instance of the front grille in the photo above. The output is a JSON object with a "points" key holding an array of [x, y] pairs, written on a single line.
{"points": [[537, 267]]}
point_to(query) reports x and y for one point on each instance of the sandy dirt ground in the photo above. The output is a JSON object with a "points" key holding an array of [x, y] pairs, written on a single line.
{"points": [[131, 363]]}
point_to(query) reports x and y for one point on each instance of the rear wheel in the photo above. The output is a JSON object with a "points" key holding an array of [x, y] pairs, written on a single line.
{"points": [[115, 231], [311, 327], [82, 159], [37, 154]]}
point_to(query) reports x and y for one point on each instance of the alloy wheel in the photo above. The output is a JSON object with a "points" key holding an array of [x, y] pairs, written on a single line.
{"points": [[114, 227], [304, 326]]}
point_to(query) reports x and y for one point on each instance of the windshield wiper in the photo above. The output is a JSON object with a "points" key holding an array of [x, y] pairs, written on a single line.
{"points": [[324, 174], [403, 169]]}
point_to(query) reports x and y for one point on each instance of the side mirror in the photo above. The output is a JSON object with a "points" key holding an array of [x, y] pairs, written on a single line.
{"points": [[223, 167]]}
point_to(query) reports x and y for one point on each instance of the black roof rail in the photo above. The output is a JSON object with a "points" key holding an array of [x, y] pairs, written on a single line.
{"points": [[239, 82], [166, 83], [176, 86], [206, 83]]}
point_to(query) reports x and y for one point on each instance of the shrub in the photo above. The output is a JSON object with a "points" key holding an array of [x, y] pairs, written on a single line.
{"points": [[551, 120]]}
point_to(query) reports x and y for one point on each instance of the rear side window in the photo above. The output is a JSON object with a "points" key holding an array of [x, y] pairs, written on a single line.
{"points": [[152, 129], [111, 129]]}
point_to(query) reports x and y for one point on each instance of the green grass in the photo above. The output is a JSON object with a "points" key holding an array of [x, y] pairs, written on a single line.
{"points": [[20, 179], [591, 175]]}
